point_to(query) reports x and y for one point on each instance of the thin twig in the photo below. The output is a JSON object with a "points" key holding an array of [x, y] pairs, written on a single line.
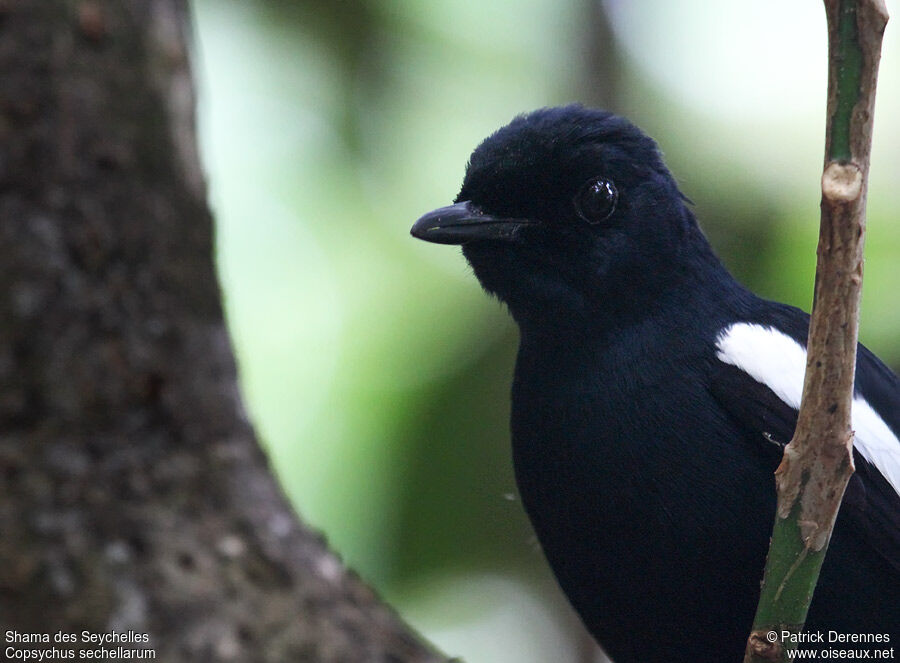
{"points": [[818, 462]]}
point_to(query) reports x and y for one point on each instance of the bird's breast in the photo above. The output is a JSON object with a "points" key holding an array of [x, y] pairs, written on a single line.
{"points": [[620, 468]]}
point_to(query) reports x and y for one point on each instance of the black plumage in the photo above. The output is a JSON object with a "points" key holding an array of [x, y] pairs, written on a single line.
{"points": [[643, 445]]}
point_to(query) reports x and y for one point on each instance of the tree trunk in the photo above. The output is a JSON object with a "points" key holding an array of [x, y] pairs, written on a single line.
{"points": [[134, 495]]}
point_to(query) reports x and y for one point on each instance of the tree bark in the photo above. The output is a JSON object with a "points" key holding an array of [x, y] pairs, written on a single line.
{"points": [[134, 495]]}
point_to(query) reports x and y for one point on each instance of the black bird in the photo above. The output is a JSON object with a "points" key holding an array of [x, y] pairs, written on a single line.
{"points": [[653, 395]]}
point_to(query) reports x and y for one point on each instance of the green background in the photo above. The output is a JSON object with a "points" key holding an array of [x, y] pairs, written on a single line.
{"points": [[375, 370]]}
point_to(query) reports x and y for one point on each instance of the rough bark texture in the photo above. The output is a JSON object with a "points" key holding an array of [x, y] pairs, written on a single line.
{"points": [[134, 495], [818, 462]]}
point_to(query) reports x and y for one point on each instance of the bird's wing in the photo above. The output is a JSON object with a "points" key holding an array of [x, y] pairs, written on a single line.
{"points": [[876, 415], [757, 376]]}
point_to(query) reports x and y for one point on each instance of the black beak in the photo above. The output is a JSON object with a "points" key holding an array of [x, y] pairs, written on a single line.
{"points": [[464, 222]]}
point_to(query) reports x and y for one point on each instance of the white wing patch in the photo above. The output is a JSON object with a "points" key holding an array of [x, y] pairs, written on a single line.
{"points": [[778, 361]]}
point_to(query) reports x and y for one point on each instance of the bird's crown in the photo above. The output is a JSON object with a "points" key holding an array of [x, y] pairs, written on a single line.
{"points": [[551, 150]]}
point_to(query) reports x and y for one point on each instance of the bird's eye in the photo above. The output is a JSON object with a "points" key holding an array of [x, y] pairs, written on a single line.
{"points": [[596, 200]]}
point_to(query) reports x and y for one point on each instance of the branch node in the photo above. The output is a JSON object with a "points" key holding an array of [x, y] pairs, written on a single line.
{"points": [[842, 182], [762, 648], [880, 9]]}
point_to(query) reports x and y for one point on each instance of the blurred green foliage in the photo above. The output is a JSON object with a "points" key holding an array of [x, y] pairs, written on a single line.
{"points": [[375, 370]]}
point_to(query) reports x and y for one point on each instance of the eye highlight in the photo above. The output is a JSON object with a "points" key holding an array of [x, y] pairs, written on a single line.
{"points": [[596, 200]]}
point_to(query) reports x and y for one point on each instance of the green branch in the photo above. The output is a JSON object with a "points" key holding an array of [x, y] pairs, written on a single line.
{"points": [[849, 69], [819, 460]]}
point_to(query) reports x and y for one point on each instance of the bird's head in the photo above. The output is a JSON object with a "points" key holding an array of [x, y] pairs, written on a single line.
{"points": [[565, 210]]}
